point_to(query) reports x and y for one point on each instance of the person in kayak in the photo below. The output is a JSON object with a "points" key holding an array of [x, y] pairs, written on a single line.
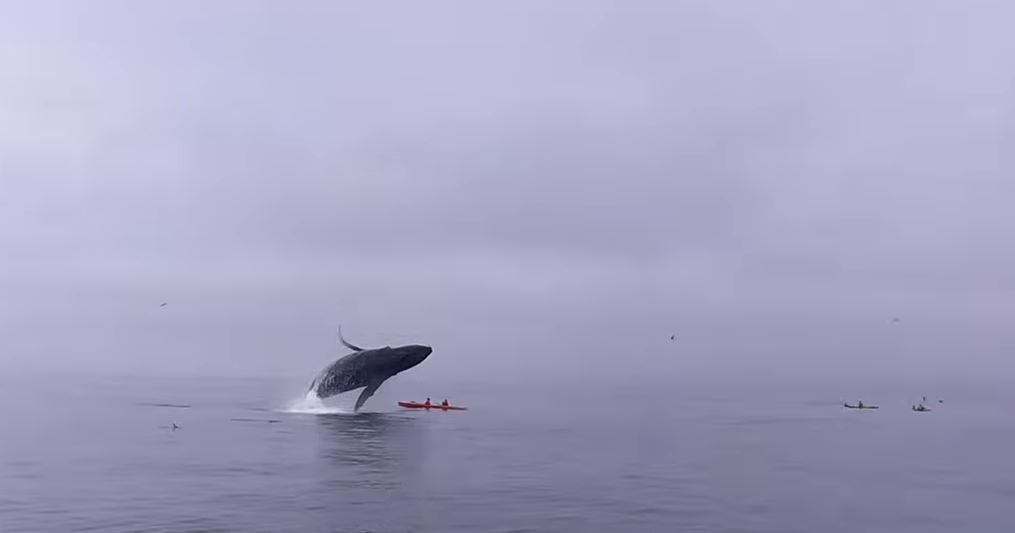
{"points": [[859, 404], [427, 402], [444, 403]]}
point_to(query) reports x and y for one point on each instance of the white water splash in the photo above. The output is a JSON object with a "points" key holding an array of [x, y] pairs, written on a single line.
{"points": [[312, 405]]}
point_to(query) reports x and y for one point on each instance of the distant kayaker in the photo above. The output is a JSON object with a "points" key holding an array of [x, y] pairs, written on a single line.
{"points": [[444, 403], [427, 402], [859, 404]]}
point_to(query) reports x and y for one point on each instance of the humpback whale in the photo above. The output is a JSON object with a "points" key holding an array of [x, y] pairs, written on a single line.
{"points": [[366, 369]]}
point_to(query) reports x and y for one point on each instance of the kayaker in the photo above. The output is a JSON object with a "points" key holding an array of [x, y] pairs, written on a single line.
{"points": [[859, 404], [427, 402], [444, 403]]}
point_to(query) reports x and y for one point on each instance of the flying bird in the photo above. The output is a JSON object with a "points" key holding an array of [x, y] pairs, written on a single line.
{"points": [[175, 427], [163, 304]]}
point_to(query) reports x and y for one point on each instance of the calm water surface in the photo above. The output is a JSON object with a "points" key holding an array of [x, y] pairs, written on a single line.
{"points": [[98, 454]]}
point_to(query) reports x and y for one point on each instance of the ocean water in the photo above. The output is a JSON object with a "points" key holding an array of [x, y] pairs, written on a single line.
{"points": [[93, 453]]}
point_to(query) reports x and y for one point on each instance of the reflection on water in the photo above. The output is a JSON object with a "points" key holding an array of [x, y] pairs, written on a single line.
{"points": [[368, 450], [367, 461]]}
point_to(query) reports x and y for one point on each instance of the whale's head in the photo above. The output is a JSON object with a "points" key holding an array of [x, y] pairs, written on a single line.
{"points": [[406, 357]]}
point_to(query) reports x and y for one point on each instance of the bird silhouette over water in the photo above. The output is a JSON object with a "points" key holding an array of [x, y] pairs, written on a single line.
{"points": [[673, 337], [175, 427], [163, 304]]}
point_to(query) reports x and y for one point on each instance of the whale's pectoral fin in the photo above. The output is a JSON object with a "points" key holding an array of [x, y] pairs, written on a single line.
{"points": [[367, 393]]}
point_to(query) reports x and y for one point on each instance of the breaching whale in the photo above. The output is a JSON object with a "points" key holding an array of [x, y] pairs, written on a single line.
{"points": [[366, 369]]}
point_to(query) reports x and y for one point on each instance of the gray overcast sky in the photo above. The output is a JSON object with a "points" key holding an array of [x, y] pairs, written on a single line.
{"points": [[532, 187]]}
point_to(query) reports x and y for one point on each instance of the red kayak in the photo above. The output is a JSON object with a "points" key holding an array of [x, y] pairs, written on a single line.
{"points": [[418, 405]]}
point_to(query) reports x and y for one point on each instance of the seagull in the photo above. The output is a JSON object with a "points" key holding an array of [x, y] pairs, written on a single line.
{"points": [[164, 304], [175, 427], [673, 337]]}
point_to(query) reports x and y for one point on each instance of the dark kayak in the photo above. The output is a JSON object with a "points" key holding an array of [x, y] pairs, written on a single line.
{"points": [[847, 406], [924, 410]]}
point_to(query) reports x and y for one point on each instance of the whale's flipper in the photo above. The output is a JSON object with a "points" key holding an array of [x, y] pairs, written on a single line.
{"points": [[352, 347], [367, 393]]}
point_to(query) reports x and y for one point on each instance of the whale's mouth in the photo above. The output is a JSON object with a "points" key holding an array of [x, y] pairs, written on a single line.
{"points": [[415, 355]]}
